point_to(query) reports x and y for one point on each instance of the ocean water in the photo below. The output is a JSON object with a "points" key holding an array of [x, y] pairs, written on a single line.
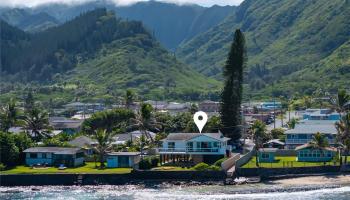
{"points": [[258, 192]]}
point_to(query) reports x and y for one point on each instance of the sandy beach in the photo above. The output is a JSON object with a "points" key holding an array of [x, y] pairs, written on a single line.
{"points": [[333, 179]]}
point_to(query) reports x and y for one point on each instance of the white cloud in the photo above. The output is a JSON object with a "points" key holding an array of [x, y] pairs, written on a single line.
{"points": [[32, 3]]}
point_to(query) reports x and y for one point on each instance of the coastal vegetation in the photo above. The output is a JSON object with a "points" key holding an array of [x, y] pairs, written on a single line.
{"points": [[285, 162], [88, 168]]}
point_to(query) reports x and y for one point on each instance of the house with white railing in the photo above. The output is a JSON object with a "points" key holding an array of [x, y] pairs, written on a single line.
{"points": [[195, 147]]}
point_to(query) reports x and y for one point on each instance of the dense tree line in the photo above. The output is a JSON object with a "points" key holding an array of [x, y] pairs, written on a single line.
{"points": [[42, 55]]}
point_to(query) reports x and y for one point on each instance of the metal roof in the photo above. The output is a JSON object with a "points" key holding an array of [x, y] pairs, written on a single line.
{"points": [[268, 150], [124, 154], [188, 136], [312, 129], [82, 141], [55, 150], [308, 145]]}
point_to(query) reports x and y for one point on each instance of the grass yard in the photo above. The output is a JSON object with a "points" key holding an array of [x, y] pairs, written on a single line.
{"points": [[288, 161], [170, 168], [88, 168]]}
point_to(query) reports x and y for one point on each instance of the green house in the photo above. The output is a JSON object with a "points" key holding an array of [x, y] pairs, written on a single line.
{"points": [[267, 154], [308, 153]]}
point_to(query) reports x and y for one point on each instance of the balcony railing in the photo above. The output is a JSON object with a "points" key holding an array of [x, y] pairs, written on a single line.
{"points": [[189, 150], [304, 141]]}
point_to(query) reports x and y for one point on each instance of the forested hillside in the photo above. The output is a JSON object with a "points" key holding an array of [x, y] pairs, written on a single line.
{"points": [[99, 54], [287, 41], [27, 21], [171, 24]]}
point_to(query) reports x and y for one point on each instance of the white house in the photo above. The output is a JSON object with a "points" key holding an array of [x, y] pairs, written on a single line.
{"points": [[198, 147]]}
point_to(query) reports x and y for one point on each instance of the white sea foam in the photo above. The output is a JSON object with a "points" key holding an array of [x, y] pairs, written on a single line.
{"points": [[172, 192]]}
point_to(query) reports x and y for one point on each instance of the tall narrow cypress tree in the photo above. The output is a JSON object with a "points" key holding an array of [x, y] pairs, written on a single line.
{"points": [[231, 95]]}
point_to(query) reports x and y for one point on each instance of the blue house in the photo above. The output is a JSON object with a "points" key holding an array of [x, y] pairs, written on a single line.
{"points": [[307, 153], [305, 130], [54, 156], [123, 159], [267, 154], [320, 114]]}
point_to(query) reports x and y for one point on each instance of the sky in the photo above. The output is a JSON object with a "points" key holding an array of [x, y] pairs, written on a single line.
{"points": [[33, 3]]}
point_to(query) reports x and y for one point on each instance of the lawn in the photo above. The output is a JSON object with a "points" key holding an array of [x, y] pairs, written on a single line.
{"points": [[288, 161], [88, 168], [170, 168]]}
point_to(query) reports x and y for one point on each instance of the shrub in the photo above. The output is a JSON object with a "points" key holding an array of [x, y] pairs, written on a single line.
{"points": [[2, 167], [214, 168], [219, 162], [201, 167], [154, 161], [145, 164]]}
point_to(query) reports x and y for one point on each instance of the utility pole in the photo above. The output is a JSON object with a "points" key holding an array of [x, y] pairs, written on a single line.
{"points": [[274, 112]]}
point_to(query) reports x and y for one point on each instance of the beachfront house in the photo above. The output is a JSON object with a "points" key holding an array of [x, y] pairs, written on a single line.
{"points": [[54, 156], [305, 130], [308, 153], [123, 159], [267, 154], [195, 147]]}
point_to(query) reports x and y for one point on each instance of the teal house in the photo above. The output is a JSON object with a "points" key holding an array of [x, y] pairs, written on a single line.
{"points": [[123, 159], [267, 154], [308, 153], [54, 156]]}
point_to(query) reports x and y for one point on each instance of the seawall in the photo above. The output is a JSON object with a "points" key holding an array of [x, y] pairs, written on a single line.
{"points": [[110, 179]]}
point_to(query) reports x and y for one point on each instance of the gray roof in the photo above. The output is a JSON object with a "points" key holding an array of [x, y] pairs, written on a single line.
{"points": [[269, 150], [188, 136], [124, 154], [62, 124], [276, 141], [82, 141], [55, 150], [312, 129]]}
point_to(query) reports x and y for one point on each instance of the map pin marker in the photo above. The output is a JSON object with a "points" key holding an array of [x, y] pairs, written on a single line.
{"points": [[200, 119]]}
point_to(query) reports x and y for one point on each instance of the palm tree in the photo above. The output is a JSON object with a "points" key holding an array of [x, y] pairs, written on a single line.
{"points": [[342, 99], [292, 123], [104, 140], [37, 121], [260, 136], [129, 98], [9, 116], [259, 133], [319, 141], [144, 121], [343, 136]]}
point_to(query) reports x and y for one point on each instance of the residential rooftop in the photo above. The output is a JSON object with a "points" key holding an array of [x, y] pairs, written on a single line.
{"points": [[55, 150]]}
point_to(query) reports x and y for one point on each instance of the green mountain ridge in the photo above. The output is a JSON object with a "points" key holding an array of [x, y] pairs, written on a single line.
{"points": [[27, 21], [170, 23], [284, 38], [98, 54]]}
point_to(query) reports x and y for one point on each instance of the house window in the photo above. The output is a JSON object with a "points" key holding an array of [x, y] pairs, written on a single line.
{"points": [[171, 145], [190, 146], [43, 155], [265, 155], [33, 155]]}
